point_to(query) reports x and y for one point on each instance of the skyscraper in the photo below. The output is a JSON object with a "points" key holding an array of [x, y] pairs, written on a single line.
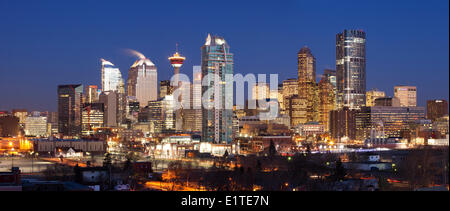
{"points": [[307, 83], [192, 118], [290, 88], [217, 59], [69, 109], [326, 101], [110, 102], [111, 78], [296, 108], [143, 81], [351, 68], [156, 116], [407, 95]]}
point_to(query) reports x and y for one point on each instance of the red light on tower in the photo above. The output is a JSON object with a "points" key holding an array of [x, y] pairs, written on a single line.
{"points": [[176, 60]]}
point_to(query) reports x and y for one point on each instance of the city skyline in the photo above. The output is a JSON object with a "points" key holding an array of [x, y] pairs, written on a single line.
{"points": [[385, 54], [224, 96]]}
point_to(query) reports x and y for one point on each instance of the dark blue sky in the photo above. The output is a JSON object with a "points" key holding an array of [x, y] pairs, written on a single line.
{"points": [[45, 43]]}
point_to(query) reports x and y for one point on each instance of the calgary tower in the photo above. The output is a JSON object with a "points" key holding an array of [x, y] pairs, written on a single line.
{"points": [[177, 61]]}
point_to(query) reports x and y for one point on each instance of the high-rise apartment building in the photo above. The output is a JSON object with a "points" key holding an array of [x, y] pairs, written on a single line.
{"points": [[407, 95], [69, 109], [217, 60], [351, 68]]}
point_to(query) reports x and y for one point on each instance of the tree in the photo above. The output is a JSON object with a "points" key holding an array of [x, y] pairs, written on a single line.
{"points": [[272, 149], [225, 155], [107, 161], [339, 173], [77, 172]]}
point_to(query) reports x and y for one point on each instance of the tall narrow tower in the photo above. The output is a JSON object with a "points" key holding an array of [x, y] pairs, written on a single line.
{"points": [[351, 68], [142, 80], [307, 83], [177, 61], [217, 60]]}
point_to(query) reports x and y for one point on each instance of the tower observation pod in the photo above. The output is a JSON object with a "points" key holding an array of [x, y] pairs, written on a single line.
{"points": [[176, 61]]}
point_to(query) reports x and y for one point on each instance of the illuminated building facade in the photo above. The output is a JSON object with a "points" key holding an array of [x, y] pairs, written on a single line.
{"points": [[165, 88], [217, 59], [132, 109], [111, 78], [436, 109], [372, 95], [142, 81], [192, 117], [307, 88], [392, 120], [351, 68], [296, 108], [91, 94], [36, 125], [290, 88], [407, 95], [168, 111], [155, 116], [21, 114], [69, 109], [343, 124], [327, 101], [92, 117]]}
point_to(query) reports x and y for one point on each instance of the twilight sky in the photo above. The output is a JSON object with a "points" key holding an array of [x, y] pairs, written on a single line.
{"points": [[45, 43]]}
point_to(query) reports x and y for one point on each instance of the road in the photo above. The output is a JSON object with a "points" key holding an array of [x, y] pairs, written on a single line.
{"points": [[26, 165]]}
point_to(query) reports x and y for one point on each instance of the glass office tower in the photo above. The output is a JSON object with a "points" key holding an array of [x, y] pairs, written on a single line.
{"points": [[69, 109], [217, 59], [142, 81], [351, 68], [111, 78]]}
